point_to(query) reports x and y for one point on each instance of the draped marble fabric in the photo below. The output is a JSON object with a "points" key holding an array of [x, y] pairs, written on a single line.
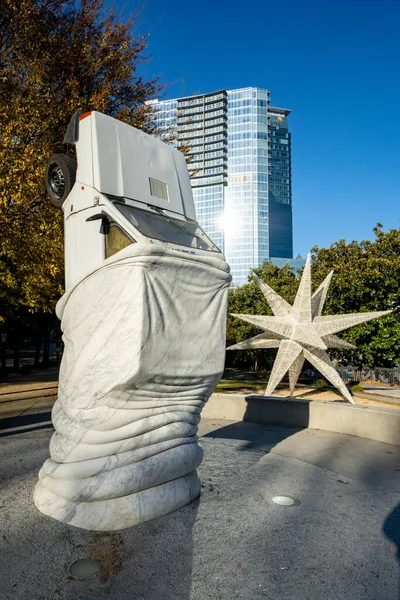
{"points": [[144, 338]]}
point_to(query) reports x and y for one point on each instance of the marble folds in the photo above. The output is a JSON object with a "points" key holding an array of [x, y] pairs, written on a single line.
{"points": [[144, 339]]}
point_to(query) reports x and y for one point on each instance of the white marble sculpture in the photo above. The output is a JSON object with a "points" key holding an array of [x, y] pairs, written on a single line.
{"points": [[144, 335], [300, 332]]}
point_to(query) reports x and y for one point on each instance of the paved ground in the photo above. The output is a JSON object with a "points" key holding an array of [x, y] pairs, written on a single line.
{"points": [[29, 394], [382, 397], [382, 391], [340, 542]]}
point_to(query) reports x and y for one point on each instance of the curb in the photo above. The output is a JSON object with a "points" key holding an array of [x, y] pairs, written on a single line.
{"points": [[373, 423]]}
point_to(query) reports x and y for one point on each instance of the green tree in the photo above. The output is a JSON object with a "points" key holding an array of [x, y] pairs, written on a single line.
{"points": [[56, 57], [366, 278]]}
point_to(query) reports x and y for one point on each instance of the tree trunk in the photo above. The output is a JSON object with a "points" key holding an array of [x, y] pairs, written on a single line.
{"points": [[46, 343], [3, 371], [38, 343], [16, 348]]}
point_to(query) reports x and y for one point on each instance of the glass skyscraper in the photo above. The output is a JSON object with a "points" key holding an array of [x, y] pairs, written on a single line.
{"points": [[240, 163]]}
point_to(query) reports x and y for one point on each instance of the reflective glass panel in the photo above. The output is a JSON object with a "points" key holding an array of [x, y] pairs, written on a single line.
{"points": [[167, 229], [116, 240]]}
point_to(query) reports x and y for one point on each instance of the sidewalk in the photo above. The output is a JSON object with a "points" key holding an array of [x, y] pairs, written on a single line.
{"points": [[382, 391], [370, 397], [36, 393], [28, 394]]}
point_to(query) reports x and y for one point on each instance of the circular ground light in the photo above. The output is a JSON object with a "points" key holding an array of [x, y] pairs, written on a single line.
{"points": [[84, 569], [285, 501]]}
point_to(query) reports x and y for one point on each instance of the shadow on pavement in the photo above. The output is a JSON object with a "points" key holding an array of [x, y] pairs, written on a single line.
{"points": [[25, 423], [254, 436], [34, 376], [391, 530], [258, 429]]}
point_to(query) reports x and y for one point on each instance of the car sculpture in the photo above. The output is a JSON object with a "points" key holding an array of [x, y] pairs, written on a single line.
{"points": [[143, 320]]}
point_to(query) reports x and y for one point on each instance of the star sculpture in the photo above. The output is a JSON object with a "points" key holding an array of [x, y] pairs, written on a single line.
{"points": [[300, 332]]}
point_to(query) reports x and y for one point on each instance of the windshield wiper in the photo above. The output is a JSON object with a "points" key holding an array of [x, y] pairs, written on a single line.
{"points": [[172, 222], [201, 243]]}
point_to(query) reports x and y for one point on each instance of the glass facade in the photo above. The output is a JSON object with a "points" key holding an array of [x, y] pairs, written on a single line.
{"points": [[239, 149], [296, 263], [280, 184], [246, 224], [202, 128]]}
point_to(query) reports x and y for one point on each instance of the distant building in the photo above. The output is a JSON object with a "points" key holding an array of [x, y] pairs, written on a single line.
{"points": [[240, 149], [297, 263]]}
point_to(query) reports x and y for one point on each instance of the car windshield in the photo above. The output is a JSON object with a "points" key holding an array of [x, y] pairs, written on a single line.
{"points": [[163, 227]]}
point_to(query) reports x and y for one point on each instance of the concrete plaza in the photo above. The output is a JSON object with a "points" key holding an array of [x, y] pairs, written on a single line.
{"points": [[340, 540]]}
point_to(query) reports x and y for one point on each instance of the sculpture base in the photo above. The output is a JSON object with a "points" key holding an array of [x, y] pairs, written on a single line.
{"points": [[119, 513]]}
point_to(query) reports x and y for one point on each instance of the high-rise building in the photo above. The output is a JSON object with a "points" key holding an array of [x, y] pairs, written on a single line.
{"points": [[240, 158]]}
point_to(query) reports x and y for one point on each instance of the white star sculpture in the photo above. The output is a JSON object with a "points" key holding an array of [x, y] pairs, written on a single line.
{"points": [[300, 332]]}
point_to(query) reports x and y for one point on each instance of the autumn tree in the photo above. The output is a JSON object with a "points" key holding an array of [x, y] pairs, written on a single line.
{"points": [[56, 57]]}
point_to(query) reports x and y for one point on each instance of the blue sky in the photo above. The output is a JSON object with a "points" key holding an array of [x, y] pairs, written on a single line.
{"points": [[334, 63]]}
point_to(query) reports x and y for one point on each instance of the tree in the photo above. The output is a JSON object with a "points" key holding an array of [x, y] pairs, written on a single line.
{"points": [[56, 57], [366, 278]]}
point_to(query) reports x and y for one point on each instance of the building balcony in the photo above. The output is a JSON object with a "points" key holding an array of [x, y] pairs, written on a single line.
{"points": [[211, 115]]}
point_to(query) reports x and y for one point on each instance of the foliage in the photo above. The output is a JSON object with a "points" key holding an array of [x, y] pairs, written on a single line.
{"points": [[356, 388], [231, 385], [56, 57], [320, 384], [366, 278]]}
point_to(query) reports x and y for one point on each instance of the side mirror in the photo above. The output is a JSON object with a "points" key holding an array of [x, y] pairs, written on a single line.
{"points": [[105, 222]]}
